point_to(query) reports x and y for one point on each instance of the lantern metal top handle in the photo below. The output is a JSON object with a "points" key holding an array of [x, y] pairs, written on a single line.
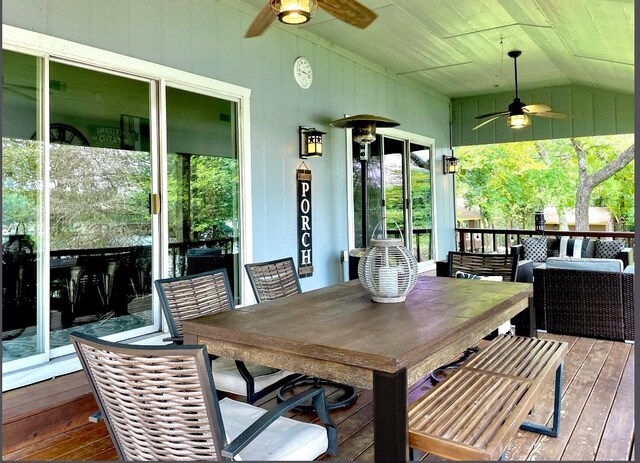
{"points": [[384, 220]]}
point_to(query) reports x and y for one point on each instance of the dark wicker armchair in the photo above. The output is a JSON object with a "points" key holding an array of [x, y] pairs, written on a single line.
{"points": [[508, 266], [585, 303], [192, 296], [159, 403], [276, 279]]}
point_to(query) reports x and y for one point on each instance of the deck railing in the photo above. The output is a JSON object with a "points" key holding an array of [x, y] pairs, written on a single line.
{"points": [[494, 240]]}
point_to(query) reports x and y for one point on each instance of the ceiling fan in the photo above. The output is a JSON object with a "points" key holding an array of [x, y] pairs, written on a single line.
{"points": [[518, 112], [300, 11]]}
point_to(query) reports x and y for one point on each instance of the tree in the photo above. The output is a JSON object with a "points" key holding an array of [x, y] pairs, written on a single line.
{"points": [[588, 181], [508, 182]]}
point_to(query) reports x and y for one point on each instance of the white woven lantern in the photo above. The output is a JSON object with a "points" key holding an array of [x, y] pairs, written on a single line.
{"points": [[388, 270]]}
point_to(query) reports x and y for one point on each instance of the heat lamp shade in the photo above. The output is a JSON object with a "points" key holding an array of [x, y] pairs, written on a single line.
{"points": [[388, 270]]}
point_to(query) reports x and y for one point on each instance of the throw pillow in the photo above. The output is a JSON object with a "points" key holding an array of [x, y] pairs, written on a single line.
{"points": [[535, 249], [471, 276], [573, 247], [609, 249]]}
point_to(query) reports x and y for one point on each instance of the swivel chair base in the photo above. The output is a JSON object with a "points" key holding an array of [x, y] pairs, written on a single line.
{"points": [[335, 401]]}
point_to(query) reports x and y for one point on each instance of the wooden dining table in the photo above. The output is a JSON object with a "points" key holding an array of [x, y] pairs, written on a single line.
{"points": [[338, 333]]}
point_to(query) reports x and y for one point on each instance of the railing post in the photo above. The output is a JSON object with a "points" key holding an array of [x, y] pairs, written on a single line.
{"points": [[461, 239]]}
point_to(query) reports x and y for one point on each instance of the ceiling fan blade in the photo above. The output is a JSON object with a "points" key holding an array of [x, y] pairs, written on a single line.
{"points": [[551, 115], [536, 108], [487, 121], [349, 11], [261, 22], [499, 113]]}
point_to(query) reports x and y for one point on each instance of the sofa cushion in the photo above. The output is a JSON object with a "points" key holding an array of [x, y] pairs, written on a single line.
{"points": [[593, 265], [570, 247], [608, 249], [535, 249], [471, 276], [591, 249], [553, 246]]}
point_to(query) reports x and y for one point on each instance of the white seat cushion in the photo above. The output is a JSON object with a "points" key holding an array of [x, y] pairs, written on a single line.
{"points": [[227, 378], [283, 440]]}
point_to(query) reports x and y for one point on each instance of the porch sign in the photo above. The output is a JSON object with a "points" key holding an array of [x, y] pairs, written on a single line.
{"points": [[305, 257]]}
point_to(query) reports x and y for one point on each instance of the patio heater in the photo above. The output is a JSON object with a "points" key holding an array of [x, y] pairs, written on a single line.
{"points": [[364, 132]]}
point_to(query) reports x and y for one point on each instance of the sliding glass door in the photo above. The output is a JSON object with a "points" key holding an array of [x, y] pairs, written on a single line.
{"points": [[392, 180], [113, 176], [77, 226], [203, 185]]}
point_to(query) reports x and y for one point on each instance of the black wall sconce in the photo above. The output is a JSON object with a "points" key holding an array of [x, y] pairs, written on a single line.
{"points": [[310, 142], [450, 164]]}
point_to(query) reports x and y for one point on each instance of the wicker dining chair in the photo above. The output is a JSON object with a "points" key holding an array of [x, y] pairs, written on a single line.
{"points": [[187, 297], [159, 403], [277, 279]]}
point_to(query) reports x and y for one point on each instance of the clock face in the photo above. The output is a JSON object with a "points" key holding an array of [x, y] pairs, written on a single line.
{"points": [[302, 72]]}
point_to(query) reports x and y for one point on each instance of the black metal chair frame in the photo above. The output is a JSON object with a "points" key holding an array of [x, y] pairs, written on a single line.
{"points": [[176, 335], [348, 395]]}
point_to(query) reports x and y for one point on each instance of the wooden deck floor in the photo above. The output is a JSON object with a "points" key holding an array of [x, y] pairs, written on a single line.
{"points": [[597, 420]]}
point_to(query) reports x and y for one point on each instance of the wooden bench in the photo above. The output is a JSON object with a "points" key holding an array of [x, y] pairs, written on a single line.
{"points": [[476, 412]]}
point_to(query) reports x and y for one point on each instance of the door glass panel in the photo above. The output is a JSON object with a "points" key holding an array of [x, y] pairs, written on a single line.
{"points": [[203, 186], [420, 167], [367, 191], [22, 167], [100, 185], [392, 179], [394, 187]]}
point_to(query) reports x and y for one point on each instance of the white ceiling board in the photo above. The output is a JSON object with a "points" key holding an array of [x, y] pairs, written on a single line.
{"points": [[459, 47]]}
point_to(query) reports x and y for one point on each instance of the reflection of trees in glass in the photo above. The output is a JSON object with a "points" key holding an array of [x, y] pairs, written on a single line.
{"points": [[99, 197], [209, 196], [21, 184]]}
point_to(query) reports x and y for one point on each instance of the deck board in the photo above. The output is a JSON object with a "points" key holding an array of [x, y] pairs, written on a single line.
{"points": [[597, 419], [617, 439], [584, 442]]}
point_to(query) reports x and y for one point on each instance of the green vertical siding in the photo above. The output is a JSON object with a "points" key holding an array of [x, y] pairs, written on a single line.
{"points": [[593, 112]]}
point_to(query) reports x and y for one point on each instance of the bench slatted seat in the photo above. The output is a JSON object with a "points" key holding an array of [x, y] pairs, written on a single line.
{"points": [[476, 412]]}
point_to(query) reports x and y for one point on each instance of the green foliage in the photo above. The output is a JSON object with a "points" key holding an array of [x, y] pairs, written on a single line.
{"points": [[207, 198], [507, 183]]}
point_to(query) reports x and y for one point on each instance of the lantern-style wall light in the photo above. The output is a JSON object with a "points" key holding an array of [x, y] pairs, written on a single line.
{"points": [[310, 142], [450, 164]]}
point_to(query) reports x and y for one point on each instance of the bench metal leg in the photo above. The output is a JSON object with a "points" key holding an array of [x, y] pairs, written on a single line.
{"points": [[553, 430]]}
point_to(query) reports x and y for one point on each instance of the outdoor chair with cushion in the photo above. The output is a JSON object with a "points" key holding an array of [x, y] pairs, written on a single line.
{"points": [[509, 267], [586, 297], [277, 279], [192, 296], [159, 403]]}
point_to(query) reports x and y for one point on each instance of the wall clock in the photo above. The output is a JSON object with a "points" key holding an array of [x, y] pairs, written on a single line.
{"points": [[302, 72]]}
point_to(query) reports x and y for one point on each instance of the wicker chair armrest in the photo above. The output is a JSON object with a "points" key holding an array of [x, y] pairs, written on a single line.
{"points": [[628, 306], [518, 250], [626, 256], [442, 268], [524, 271], [315, 393]]}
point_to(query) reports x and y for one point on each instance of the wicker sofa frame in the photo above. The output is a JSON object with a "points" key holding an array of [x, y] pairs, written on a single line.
{"points": [[585, 303]]}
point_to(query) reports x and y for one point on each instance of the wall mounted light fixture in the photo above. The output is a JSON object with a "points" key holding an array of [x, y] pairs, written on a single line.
{"points": [[294, 11], [310, 142], [450, 164]]}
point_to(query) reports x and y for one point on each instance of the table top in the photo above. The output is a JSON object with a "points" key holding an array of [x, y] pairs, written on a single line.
{"points": [[342, 326]]}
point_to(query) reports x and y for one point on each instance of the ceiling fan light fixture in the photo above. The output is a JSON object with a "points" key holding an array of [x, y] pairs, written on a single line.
{"points": [[517, 121], [294, 11]]}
